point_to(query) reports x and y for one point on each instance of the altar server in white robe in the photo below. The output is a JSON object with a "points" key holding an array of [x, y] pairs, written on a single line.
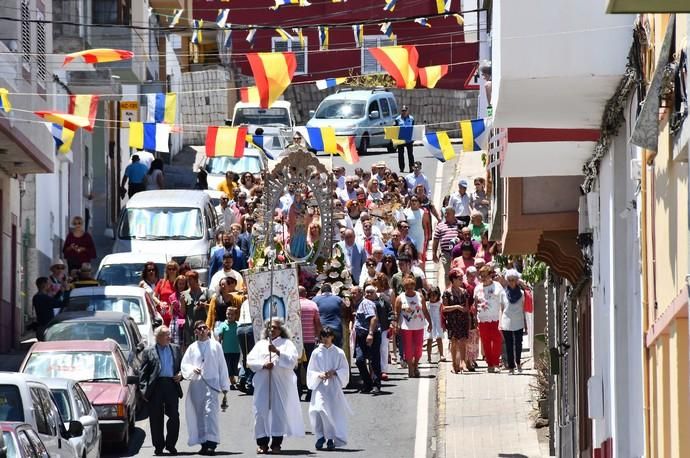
{"points": [[327, 374], [277, 411], [204, 366]]}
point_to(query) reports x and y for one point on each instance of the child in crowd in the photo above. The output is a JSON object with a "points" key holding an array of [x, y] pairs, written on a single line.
{"points": [[435, 329], [227, 334]]}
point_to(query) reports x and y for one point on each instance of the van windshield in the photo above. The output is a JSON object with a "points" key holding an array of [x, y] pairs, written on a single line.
{"points": [[340, 109], [262, 117], [161, 224]]}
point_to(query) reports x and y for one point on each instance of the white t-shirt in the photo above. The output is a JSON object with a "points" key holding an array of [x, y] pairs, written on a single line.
{"points": [[411, 314]]}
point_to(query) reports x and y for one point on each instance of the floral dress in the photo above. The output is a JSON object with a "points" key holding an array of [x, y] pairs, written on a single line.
{"points": [[457, 322]]}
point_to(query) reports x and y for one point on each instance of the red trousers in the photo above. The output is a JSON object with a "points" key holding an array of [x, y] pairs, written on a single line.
{"points": [[492, 342]]}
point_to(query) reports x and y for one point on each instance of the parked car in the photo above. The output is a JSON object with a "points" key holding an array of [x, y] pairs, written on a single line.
{"points": [[117, 326], [27, 399], [131, 300], [20, 440], [360, 113], [124, 269], [73, 404], [180, 224], [110, 384]]}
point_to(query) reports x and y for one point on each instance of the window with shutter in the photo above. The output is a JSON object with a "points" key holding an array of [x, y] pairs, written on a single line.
{"points": [[281, 45], [41, 66], [369, 63], [26, 34]]}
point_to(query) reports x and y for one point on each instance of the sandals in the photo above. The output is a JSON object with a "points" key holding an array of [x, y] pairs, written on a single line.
{"points": [[262, 450]]}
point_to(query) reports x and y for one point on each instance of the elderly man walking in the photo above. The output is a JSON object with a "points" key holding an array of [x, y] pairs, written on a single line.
{"points": [[445, 236], [368, 341], [159, 382]]}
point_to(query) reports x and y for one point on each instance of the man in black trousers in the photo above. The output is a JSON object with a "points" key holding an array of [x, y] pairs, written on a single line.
{"points": [[160, 385]]}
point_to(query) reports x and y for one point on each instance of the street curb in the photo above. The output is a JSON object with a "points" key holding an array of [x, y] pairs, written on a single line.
{"points": [[441, 409]]}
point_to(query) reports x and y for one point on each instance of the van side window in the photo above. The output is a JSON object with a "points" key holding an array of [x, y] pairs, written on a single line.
{"points": [[373, 106], [81, 408], [394, 107], [40, 412], [385, 111], [38, 446], [25, 444]]}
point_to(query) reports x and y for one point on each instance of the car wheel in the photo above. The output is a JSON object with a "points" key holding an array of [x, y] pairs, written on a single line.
{"points": [[363, 145]]}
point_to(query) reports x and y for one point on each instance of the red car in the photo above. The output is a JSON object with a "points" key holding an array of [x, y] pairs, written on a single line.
{"points": [[104, 375]]}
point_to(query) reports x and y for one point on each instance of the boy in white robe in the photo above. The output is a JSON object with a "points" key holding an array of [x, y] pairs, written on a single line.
{"points": [[204, 366], [277, 411], [327, 374]]}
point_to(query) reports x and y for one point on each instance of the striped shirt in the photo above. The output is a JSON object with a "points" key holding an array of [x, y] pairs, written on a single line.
{"points": [[445, 233], [309, 310]]}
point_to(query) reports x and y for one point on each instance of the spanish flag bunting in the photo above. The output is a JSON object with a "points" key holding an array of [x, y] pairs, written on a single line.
{"points": [[323, 38], [222, 17], [63, 138], [283, 34], [99, 56], [250, 95], [322, 139], [149, 136], [197, 36], [358, 30], [70, 121], [85, 106], [404, 134], [5, 104], [390, 5], [176, 18], [438, 144], [460, 20], [473, 134], [330, 82], [225, 141], [347, 149], [442, 6], [423, 22], [162, 107], [400, 62], [429, 76], [273, 73]]}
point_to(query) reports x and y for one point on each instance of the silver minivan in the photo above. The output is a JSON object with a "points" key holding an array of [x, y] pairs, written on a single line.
{"points": [[178, 223], [360, 113]]}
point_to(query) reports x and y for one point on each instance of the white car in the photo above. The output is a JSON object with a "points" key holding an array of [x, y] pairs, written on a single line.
{"points": [[27, 399], [132, 300], [74, 405], [124, 269]]}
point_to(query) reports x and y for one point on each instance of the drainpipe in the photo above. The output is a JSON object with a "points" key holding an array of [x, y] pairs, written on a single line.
{"points": [[645, 302], [26, 238]]}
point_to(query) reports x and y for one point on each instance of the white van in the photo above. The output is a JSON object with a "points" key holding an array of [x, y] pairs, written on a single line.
{"points": [[179, 223]]}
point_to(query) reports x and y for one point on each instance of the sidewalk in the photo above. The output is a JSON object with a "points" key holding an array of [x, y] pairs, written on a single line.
{"points": [[480, 414]]}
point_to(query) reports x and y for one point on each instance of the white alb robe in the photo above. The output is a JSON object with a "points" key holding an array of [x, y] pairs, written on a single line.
{"points": [[285, 415], [202, 405], [328, 409]]}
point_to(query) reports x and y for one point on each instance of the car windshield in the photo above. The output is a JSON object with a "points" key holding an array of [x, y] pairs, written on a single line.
{"points": [[11, 408], [340, 109], [220, 165], [62, 401], [262, 116], [129, 305], [82, 365], [127, 274], [161, 224], [89, 330]]}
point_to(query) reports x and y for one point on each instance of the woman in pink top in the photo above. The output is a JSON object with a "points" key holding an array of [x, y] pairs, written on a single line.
{"points": [[490, 299]]}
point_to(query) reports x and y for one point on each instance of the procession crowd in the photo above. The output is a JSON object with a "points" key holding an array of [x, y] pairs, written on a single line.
{"points": [[386, 226]]}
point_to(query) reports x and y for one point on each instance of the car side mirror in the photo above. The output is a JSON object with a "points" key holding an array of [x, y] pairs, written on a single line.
{"points": [[75, 429], [157, 322], [374, 115], [132, 380], [140, 347], [88, 421], [311, 113]]}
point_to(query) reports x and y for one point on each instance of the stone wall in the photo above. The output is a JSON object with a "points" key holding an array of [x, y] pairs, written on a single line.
{"points": [[428, 106]]}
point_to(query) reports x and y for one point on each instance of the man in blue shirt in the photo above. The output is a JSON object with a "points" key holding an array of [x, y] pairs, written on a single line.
{"points": [[331, 312], [216, 262], [407, 120], [136, 174], [367, 339]]}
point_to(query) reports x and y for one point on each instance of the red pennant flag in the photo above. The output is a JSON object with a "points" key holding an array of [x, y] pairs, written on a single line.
{"points": [[85, 106], [225, 141], [400, 62], [273, 72]]}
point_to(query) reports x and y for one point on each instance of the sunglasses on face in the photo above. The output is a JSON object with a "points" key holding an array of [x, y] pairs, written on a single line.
{"points": [[59, 267], [171, 268], [150, 271], [201, 328]]}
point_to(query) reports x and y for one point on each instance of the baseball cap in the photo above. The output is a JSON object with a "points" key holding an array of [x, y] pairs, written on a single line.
{"points": [[463, 183]]}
